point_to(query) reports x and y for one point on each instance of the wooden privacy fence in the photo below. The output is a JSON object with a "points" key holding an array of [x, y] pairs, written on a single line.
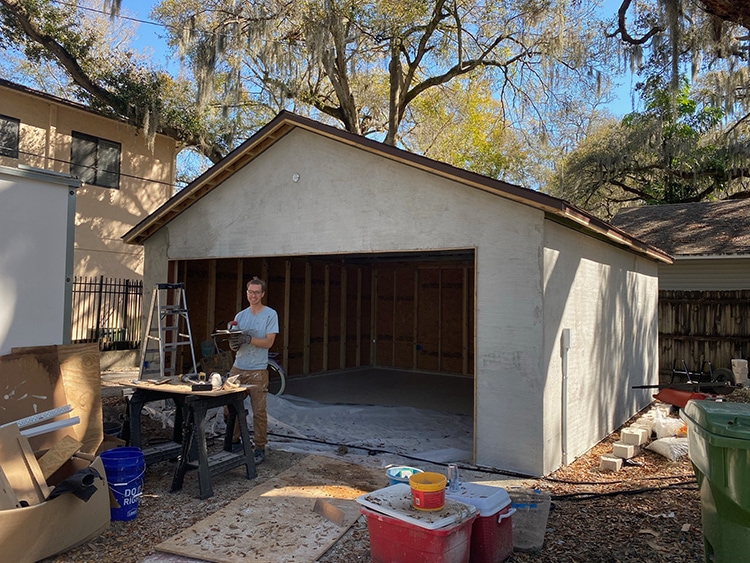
{"points": [[703, 326], [107, 311]]}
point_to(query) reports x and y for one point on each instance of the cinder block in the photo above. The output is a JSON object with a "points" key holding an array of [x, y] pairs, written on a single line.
{"points": [[625, 451], [610, 463], [636, 435], [644, 422]]}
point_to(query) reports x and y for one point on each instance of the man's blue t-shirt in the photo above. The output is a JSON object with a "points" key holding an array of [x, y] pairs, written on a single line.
{"points": [[265, 322]]}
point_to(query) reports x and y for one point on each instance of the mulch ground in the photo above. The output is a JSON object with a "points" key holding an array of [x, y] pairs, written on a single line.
{"points": [[648, 511]]}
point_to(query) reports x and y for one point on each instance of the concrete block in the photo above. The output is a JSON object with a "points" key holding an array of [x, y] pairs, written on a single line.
{"points": [[644, 422], [636, 435], [610, 463], [625, 451]]}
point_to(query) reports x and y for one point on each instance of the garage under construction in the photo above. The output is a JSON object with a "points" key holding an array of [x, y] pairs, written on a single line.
{"points": [[376, 257]]}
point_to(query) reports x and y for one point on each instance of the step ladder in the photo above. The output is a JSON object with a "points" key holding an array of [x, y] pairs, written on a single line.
{"points": [[167, 330]]}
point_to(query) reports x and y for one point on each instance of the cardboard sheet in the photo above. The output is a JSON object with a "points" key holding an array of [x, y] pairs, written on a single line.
{"points": [[68, 374], [29, 386], [36, 532], [275, 522]]}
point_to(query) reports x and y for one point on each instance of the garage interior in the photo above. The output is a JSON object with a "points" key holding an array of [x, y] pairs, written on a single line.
{"points": [[391, 329]]}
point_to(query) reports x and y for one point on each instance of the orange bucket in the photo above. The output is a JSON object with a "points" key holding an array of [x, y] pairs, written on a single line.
{"points": [[428, 490]]}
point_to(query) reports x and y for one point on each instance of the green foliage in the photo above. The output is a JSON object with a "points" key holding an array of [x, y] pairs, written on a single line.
{"points": [[461, 124], [364, 63], [89, 66], [676, 150]]}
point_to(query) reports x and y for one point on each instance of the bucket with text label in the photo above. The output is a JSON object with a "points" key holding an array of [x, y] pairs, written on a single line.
{"points": [[124, 468]]}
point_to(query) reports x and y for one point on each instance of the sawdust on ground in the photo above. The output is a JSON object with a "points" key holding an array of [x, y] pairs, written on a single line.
{"points": [[648, 511]]}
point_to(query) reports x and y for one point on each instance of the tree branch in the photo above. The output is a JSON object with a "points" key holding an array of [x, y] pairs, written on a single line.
{"points": [[622, 28]]}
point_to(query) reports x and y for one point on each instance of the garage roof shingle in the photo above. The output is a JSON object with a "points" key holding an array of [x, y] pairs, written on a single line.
{"points": [[691, 229]]}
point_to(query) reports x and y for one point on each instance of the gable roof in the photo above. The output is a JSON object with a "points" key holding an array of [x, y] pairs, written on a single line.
{"points": [[691, 229], [554, 208]]}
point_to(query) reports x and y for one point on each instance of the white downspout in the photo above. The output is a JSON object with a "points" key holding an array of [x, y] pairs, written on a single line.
{"points": [[564, 347]]}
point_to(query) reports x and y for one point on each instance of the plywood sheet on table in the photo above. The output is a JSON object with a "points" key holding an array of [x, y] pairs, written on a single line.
{"points": [[275, 522]]}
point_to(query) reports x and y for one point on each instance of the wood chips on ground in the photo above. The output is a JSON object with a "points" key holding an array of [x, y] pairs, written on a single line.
{"points": [[274, 522], [650, 511]]}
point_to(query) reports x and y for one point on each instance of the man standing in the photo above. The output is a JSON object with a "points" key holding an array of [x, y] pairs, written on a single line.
{"points": [[258, 326]]}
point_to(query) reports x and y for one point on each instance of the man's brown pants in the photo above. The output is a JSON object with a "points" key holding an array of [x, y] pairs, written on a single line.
{"points": [[257, 382]]}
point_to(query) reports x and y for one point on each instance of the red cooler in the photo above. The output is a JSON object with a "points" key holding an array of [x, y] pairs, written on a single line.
{"points": [[393, 540], [399, 533], [492, 532]]}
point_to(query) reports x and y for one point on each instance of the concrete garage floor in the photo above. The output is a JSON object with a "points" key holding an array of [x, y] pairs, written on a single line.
{"points": [[387, 387], [424, 416]]}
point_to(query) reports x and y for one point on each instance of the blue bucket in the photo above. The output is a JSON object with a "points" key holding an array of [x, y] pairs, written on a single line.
{"points": [[400, 474], [124, 468]]}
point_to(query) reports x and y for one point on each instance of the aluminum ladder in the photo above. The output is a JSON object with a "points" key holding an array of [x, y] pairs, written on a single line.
{"points": [[168, 329]]}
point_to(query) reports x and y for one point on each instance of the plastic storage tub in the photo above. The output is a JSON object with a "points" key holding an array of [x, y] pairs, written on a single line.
{"points": [[395, 540], [719, 449], [492, 532]]}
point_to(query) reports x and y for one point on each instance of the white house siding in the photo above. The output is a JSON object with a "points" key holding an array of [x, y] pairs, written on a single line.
{"points": [[705, 273], [37, 257], [608, 299]]}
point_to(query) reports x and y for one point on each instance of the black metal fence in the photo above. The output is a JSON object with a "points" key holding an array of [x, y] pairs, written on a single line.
{"points": [[107, 311]]}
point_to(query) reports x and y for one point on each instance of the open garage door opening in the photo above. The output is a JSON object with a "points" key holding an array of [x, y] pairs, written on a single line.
{"points": [[395, 328]]}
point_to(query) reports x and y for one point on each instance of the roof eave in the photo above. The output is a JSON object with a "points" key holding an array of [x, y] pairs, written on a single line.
{"points": [[284, 122]]}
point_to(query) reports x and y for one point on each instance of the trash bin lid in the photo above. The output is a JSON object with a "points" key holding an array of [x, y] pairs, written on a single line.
{"points": [[731, 420]]}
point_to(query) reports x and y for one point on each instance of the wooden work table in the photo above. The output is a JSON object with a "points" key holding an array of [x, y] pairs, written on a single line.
{"points": [[190, 430]]}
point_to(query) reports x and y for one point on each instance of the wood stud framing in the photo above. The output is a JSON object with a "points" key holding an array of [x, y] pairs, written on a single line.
{"points": [[397, 310]]}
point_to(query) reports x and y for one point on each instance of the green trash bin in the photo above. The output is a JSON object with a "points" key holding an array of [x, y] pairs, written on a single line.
{"points": [[719, 449]]}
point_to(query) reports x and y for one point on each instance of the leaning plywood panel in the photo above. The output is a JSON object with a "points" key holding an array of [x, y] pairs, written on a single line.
{"points": [[27, 388], [81, 377], [74, 374]]}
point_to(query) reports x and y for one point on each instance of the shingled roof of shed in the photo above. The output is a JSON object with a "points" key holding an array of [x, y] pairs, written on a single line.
{"points": [[691, 229]]}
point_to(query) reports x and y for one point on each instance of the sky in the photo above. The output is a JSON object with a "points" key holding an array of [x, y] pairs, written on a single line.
{"points": [[151, 36]]}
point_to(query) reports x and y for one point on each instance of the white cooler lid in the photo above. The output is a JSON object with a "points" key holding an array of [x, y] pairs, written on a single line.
{"points": [[487, 499], [395, 501]]}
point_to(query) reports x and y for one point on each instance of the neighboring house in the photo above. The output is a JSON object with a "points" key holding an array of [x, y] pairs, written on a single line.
{"points": [[36, 263], [705, 293], [125, 176], [378, 257]]}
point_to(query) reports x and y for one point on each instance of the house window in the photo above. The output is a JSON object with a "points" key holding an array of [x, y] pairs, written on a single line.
{"points": [[9, 128], [95, 161]]}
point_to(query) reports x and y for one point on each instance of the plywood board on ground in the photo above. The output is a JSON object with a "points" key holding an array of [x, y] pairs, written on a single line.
{"points": [[275, 522]]}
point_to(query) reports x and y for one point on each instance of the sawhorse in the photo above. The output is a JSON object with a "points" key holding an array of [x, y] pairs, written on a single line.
{"points": [[190, 430]]}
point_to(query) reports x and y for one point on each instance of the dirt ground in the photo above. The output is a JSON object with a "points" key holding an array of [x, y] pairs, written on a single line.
{"points": [[648, 511]]}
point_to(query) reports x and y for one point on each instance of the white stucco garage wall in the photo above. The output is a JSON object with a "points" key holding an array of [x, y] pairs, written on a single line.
{"points": [[310, 194], [608, 298], [347, 200]]}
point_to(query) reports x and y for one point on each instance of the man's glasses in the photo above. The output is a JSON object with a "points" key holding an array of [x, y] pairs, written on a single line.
{"points": [[254, 292]]}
